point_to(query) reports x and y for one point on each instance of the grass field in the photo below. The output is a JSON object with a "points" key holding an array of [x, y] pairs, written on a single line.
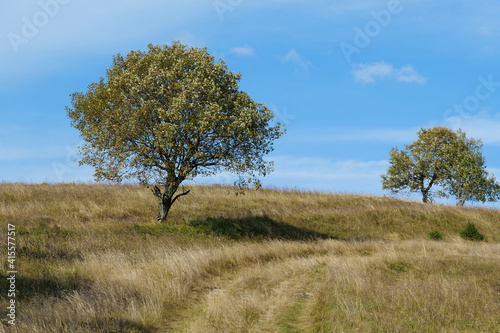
{"points": [[91, 258]]}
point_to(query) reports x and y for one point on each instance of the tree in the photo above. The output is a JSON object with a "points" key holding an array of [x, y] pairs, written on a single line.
{"points": [[421, 165], [445, 159], [468, 179], [171, 114]]}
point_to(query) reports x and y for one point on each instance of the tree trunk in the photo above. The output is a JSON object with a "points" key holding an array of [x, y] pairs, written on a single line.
{"points": [[461, 198], [425, 197], [166, 200], [425, 190], [164, 204]]}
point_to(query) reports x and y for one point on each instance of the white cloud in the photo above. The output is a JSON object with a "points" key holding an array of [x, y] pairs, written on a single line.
{"points": [[243, 50], [368, 73], [409, 74], [299, 62]]}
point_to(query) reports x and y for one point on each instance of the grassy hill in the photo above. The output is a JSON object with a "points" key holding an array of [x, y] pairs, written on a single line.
{"points": [[91, 258]]}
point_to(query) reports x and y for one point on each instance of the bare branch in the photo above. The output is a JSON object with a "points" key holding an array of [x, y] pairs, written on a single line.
{"points": [[180, 195]]}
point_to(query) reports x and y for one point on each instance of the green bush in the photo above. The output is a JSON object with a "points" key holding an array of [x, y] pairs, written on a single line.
{"points": [[470, 232], [435, 235]]}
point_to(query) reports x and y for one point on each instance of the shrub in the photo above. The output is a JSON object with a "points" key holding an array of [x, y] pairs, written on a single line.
{"points": [[435, 235], [470, 232]]}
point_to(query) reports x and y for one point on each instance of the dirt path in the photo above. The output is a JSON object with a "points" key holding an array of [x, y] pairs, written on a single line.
{"points": [[348, 286], [266, 296]]}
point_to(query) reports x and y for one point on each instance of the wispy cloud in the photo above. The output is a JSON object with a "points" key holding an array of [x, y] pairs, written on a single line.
{"points": [[409, 74], [77, 27], [325, 169], [316, 173], [336, 135], [369, 73], [343, 7], [10, 154], [480, 126], [298, 61], [353, 176], [243, 50], [494, 171]]}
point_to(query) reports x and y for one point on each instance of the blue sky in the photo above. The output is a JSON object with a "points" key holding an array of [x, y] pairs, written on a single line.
{"points": [[350, 79]]}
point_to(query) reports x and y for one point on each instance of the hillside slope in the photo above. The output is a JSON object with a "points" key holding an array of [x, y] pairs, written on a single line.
{"points": [[91, 258], [266, 213]]}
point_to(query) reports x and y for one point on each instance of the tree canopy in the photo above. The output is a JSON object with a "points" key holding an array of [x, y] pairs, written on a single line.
{"points": [[468, 179], [170, 114], [444, 160]]}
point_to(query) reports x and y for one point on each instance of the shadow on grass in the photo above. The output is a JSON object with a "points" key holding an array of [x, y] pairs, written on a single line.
{"points": [[259, 227], [117, 325], [49, 252], [27, 287]]}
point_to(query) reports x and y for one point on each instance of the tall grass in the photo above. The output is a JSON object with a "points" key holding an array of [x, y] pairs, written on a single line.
{"points": [[96, 209], [91, 258]]}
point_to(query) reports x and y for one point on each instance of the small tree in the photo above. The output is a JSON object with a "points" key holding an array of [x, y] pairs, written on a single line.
{"points": [[443, 158], [471, 233], [171, 114], [468, 179], [421, 165]]}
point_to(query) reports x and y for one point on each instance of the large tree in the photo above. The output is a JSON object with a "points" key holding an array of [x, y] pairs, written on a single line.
{"points": [[443, 159], [170, 114]]}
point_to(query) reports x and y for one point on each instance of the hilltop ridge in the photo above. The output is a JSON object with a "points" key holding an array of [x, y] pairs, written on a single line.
{"points": [[342, 216]]}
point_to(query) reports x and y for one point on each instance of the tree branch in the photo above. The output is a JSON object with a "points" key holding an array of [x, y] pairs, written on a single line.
{"points": [[180, 195], [156, 191]]}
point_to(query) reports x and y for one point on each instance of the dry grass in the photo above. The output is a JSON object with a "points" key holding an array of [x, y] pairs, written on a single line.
{"points": [[396, 288], [91, 259]]}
